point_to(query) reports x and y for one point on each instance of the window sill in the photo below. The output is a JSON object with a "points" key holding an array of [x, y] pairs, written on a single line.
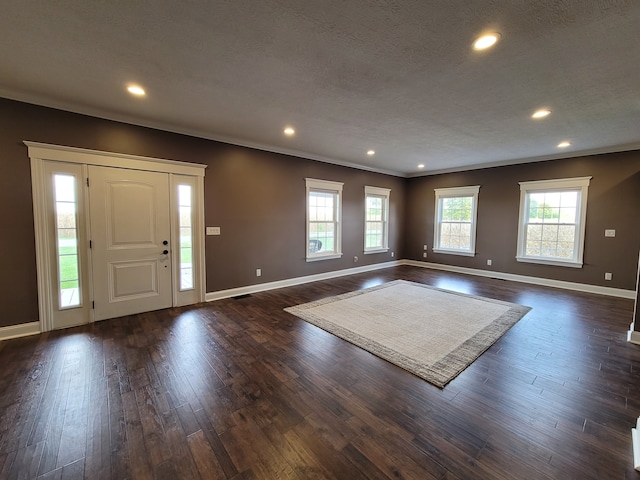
{"points": [[455, 252], [315, 258], [548, 261], [376, 250]]}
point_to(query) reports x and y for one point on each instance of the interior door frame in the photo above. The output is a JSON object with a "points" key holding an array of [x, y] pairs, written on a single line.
{"points": [[41, 153]]}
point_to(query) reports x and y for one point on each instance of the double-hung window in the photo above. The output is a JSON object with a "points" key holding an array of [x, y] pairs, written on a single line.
{"points": [[324, 209], [552, 221], [376, 222], [455, 220]]}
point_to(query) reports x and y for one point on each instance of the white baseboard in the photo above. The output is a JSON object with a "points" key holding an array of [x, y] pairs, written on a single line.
{"points": [[632, 335], [22, 330], [579, 287], [263, 287], [636, 448], [33, 328]]}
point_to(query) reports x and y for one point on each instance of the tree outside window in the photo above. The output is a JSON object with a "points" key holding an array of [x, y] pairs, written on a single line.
{"points": [[455, 225]]}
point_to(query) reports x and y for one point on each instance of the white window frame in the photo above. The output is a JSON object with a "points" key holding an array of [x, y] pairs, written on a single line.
{"points": [[196, 293], [579, 184], [442, 193], [384, 194], [335, 188]]}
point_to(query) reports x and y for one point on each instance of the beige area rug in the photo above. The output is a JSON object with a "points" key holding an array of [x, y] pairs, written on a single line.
{"points": [[432, 333]]}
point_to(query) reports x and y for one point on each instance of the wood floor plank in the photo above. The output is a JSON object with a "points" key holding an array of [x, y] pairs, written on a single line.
{"points": [[204, 457], [218, 448], [240, 389], [152, 428], [120, 460], [26, 462], [141, 464], [181, 458], [98, 452]]}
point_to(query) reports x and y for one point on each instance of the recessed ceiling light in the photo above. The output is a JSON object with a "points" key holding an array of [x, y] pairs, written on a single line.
{"points": [[486, 41], [543, 112], [289, 131], [136, 90], [564, 144], [371, 152], [421, 166]]}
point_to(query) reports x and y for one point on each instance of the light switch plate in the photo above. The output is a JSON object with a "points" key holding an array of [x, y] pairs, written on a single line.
{"points": [[610, 232], [213, 230]]}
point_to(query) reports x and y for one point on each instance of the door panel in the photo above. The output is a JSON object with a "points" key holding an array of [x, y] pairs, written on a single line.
{"points": [[132, 280], [129, 225]]}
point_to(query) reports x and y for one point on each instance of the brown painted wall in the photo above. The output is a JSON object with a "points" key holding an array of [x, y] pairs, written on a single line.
{"points": [[613, 202], [257, 198]]}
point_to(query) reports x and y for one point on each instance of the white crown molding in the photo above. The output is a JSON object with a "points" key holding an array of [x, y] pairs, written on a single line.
{"points": [[543, 158], [130, 119], [166, 127]]}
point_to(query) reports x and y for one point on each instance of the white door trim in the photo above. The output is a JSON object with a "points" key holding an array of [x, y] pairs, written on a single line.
{"points": [[39, 153], [45, 151]]}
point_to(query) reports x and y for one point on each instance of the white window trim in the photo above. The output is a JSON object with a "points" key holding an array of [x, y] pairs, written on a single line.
{"points": [[450, 193], [562, 184], [331, 187], [386, 194], [196, 292]]}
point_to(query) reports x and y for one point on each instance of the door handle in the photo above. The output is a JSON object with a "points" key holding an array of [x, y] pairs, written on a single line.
{"points": [[164, 252]]}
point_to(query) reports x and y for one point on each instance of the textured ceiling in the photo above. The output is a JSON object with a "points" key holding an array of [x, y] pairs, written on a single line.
{"points": [[396, 76]]}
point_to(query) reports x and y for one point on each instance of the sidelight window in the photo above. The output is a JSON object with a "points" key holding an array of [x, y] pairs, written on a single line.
{"points": [[186, 236], [66, 219]]}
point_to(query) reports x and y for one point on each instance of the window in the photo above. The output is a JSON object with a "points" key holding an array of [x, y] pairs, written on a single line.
{"points": [[323, 219], [376, 222], [552, 221], [186, 237], [455, 220], [67, 240]]}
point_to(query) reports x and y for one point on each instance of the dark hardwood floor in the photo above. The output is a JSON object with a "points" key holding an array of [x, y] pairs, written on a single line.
{"points": [[240, 389]]}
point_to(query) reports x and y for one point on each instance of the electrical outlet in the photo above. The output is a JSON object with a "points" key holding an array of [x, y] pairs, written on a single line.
{"points": [[424, 247], [608, 276], [424, 255], [489, 262], [392, 254], [258, 272], [355, 258], [609, 232]]}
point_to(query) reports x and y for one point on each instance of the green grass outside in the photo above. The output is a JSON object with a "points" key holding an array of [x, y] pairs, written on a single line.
{"points": [[68, 264]]}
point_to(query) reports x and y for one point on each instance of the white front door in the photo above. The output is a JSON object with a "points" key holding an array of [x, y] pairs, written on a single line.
{"points": [[130, 236]]}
